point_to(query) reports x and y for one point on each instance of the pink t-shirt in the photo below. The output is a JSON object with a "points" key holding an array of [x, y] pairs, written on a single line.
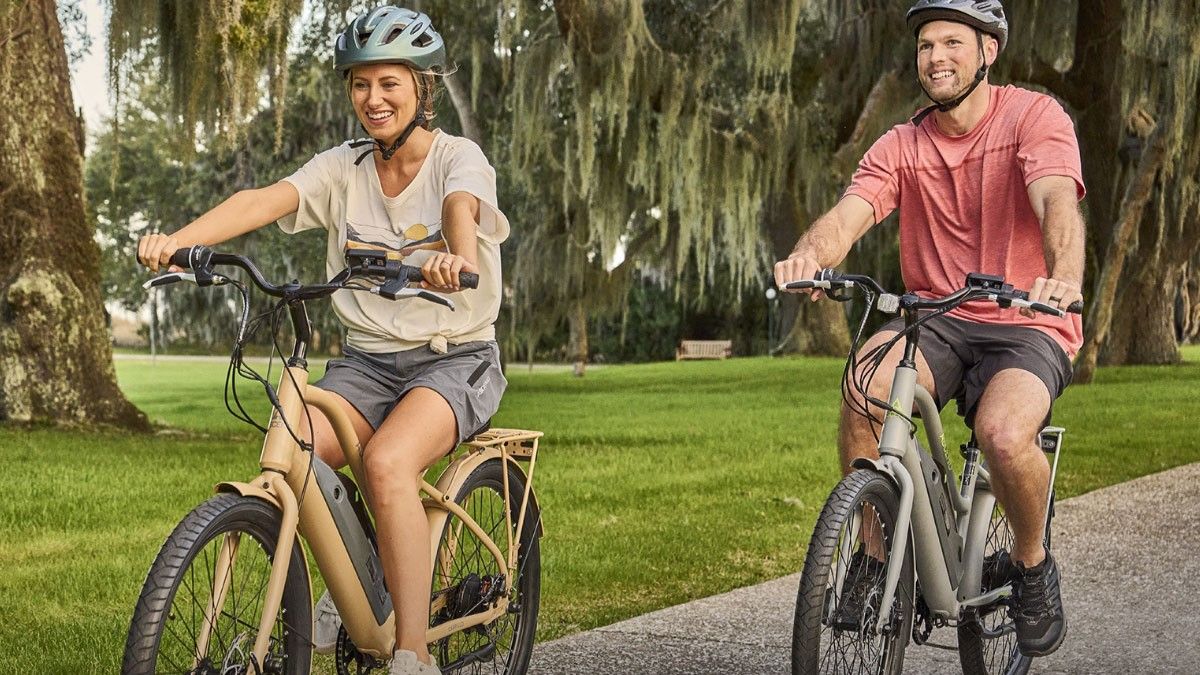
{"points": [[964, 204]]}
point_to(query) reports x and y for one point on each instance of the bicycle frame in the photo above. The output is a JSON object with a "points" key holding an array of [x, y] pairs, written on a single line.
{"points": [[286, 483], [948, 563]]}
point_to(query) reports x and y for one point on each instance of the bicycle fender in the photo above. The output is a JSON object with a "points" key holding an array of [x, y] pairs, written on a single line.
{"points": [[874, 465], [249, 490]]}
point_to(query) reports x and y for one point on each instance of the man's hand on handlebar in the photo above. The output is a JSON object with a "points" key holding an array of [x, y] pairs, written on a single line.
{"points": [[154, 251], [1053, 292], [798, 266], [441, 272]]}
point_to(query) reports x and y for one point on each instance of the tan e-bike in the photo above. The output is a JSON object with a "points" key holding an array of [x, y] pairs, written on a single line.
{"points": [[230, 592]]}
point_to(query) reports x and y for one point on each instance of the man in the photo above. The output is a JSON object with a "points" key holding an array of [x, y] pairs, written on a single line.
{"points": [[987, 180]]}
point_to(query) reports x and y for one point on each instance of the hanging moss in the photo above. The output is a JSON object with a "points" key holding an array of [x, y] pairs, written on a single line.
{"points": [[213, 54]]}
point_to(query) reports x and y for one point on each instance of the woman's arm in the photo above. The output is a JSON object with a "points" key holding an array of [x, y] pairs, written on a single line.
{"points": [[245, 211], [460, 225]]}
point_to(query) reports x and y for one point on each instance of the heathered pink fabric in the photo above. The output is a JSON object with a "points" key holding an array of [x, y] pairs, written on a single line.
{"points": [[964, 204]]}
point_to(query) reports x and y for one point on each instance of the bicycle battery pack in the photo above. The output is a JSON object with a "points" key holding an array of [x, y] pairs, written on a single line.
{"points": [[350, 517], [943, 515]]}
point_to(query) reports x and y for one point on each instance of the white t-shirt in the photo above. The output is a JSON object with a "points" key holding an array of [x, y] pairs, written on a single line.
{"points": [[349, 203]]}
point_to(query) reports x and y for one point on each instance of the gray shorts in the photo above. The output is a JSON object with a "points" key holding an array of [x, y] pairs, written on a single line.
{"points": [[468, 376], [964, 356]]}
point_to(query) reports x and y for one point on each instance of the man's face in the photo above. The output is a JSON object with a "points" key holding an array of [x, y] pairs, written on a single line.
{"points": [[948, 57]]}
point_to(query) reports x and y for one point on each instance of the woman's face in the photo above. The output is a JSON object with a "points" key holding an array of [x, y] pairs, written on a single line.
{"points": [[384, 97]]}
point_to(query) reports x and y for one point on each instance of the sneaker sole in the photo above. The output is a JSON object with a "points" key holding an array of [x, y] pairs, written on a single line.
{"points": [[1047, 651]]}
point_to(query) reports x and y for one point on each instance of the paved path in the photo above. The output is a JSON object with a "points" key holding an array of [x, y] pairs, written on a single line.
{"points": [[1130, 557]]}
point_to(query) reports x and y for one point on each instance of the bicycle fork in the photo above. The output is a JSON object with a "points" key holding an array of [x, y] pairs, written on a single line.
{"points": [[226, 558]]}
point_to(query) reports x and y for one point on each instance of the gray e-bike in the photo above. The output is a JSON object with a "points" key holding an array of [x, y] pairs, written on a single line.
{"points": [[902, 546]]}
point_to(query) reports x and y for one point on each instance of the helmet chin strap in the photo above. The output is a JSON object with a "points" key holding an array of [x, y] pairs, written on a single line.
{"points": [[947, 106], [388, 151]]}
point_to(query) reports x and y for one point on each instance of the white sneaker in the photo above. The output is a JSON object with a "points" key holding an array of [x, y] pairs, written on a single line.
{"points": [[326, 623], [405, 662]]}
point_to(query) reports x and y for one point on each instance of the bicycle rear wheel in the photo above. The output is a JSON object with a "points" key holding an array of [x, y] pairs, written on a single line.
{"points": [[980, 650], [165, 635], [466, 578], [837, 606]]}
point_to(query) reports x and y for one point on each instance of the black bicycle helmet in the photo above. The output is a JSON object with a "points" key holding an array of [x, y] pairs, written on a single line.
{"points": [[984, 15]]}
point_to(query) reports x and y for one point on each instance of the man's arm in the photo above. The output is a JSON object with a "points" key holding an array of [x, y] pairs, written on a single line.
{"points": [[1056, 205], [827, 241]]}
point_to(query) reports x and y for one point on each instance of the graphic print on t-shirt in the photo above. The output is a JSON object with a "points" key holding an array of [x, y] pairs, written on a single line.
{"points": [[417, 237]]}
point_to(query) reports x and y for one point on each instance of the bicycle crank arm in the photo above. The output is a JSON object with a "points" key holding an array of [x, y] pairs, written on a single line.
{"points": [[481, 655], [1004, 629], [990, 597]]}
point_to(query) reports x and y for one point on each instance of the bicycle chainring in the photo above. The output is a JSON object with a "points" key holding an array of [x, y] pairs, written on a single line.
{"points": [[922, 620], [350, 661]]}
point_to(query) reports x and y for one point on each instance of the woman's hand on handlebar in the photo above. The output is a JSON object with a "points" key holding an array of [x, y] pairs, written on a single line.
{"points": [[441, 272], [1053, 292], [154, 251]]}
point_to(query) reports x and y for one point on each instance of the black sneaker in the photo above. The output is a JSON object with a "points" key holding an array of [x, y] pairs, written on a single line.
{"points": [[1037, 610], [863, 586]]}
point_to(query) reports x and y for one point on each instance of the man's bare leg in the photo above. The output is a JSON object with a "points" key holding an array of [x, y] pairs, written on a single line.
{"points": [[1008, 419]]}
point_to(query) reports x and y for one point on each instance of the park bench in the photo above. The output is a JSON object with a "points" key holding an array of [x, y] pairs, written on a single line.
{"points": [[704, 349]]}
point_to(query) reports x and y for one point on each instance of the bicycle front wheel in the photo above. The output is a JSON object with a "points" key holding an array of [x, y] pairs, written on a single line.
{"points": [[220, 555], [988, 645], [836, 627], [467, 579]]}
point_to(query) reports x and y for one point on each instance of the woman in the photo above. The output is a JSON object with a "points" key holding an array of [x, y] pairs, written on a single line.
{"points": [[414, 378]]}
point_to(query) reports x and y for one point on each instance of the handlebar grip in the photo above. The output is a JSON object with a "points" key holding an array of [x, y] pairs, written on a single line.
{"points": [[1075, 307], [182, 257], [193, 257], [800, 285], [465, 279]]}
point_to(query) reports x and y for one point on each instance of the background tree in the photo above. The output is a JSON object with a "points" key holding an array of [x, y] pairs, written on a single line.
{"points": [[55, 358]]}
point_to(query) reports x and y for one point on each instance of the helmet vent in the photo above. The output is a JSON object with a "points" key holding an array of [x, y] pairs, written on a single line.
{"points": [[423, 40], [395, 33]]}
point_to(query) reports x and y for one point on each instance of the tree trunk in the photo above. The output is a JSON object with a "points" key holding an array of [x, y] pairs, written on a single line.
{"points": [[1147, 335], [817, 329], [1189, 304], [579, 338], [55, 355], [462, 105], [1133, 207]]}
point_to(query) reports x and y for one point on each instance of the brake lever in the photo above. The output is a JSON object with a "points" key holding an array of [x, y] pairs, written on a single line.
{"points": [[397, 290], [169, 278], [174, 277]]}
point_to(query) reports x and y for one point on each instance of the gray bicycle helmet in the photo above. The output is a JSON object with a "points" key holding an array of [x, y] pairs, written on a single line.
{"points": [[984, 15], [392, 35]]}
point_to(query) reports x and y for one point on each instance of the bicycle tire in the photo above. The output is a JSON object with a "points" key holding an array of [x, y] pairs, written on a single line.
{"points": [[179, 585], [979, 654], [817, 645], [467, 561]]}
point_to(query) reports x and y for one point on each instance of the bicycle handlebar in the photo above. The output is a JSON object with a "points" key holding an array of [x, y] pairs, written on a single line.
{"points": [[979, 287], [201, 260]]}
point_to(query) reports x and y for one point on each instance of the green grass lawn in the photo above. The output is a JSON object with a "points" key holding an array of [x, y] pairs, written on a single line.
{"points": [[659, 483]]}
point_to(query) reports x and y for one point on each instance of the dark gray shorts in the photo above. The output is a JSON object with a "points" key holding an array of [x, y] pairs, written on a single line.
{"points": [[964, 356], [468, 376]]}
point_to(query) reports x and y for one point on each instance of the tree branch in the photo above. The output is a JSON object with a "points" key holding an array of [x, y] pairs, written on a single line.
{"points": [[14, 36]]}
